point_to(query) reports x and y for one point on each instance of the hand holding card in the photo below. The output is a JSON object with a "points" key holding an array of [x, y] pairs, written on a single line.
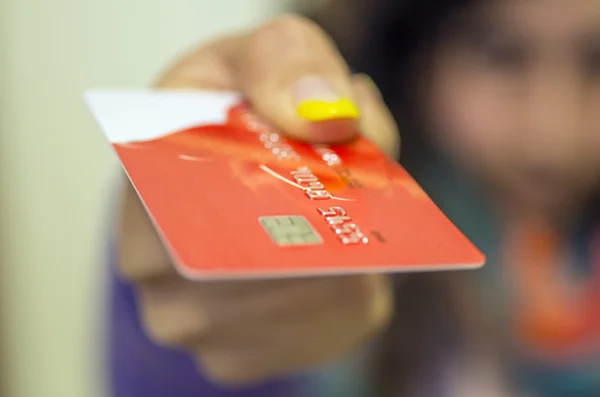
{"points": [[183, 149]]}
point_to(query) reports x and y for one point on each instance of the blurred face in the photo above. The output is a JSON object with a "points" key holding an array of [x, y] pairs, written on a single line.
{"points": [[514, 95]]}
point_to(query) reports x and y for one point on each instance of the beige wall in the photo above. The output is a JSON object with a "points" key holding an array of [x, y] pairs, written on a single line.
{"points": [[56, 172]]}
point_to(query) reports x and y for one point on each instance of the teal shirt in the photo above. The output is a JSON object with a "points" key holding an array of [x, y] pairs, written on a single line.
{"points": [[466, 207]]}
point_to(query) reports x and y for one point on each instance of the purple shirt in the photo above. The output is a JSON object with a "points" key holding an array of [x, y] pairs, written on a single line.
{"points": [[139, 368]]}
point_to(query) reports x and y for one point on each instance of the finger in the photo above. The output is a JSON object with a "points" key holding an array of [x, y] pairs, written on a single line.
{"points": [[304, 345], [299, 343], [295, 78], [366, 300], [280, 306], [377, 122], [290, 71], [172, 313], [242, 289], [177, 312]]}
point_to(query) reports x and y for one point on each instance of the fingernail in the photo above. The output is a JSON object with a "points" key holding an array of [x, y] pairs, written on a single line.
{"points": [[317, 101]]}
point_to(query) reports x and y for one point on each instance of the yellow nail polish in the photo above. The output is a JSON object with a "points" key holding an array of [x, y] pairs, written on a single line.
{"points": [[314, 110]]}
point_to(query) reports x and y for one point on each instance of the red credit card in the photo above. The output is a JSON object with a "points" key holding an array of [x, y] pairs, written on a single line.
{"points": [[232, 198]]}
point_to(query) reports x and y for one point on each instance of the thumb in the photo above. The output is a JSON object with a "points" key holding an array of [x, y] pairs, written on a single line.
{"points": [[295, 79]]}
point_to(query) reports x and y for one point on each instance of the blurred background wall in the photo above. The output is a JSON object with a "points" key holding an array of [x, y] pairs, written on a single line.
{"points": [[57, 174]]}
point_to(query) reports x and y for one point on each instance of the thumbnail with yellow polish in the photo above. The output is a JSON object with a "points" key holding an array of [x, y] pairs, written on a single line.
{"points": [[322, 110]]}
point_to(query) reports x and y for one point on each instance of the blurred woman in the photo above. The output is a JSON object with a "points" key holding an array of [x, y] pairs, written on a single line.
{"points": [[499, 107]]}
